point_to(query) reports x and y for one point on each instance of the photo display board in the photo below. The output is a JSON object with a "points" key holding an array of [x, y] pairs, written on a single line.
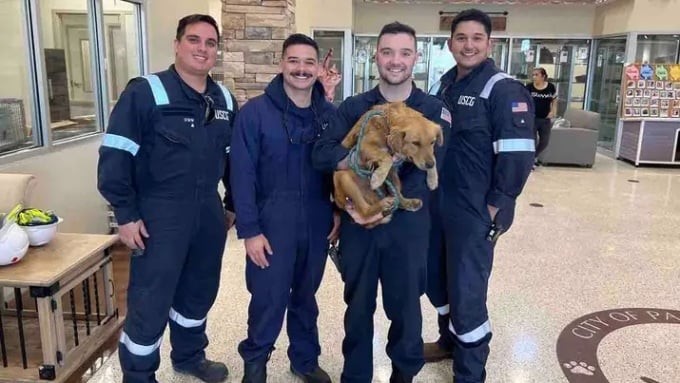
{"points": [[651, 90]]}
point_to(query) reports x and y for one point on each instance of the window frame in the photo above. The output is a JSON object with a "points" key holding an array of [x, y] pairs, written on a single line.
{"points": [[39, 115]]}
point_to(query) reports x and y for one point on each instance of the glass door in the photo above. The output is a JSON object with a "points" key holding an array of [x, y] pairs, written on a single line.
{"points": [[334, 40], [605, 91], [499, 52], [365, 75], [441, 59], [565, 61]]}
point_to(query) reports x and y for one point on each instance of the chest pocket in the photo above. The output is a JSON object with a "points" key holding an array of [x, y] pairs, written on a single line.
{"points": [[174, 133], [170, 155]]}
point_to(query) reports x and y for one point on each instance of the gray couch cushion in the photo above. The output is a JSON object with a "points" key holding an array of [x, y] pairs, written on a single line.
{"points": [[583, 119]]}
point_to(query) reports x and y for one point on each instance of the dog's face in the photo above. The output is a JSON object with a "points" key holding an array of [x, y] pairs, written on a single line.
{"points": [[412, 135]]}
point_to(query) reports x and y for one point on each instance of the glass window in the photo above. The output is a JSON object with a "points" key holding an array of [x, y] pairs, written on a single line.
{"points": [[333, 40], [121, 44], [565, 61], [441, 59], [15, 92], [69, 67], [657, 49]]}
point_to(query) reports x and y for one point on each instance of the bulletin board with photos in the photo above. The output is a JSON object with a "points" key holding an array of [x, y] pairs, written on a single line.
{"points": [[651, 90]]}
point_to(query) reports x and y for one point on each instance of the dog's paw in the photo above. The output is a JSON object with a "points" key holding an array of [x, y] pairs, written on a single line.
{"points": [[413, 204], [386, 204], [432, 179], [378, 178]]}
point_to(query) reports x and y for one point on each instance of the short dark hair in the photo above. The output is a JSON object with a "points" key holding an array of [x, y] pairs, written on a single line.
{"points": [[472, 15], [299, 39], [395, 28], [193, 19]]}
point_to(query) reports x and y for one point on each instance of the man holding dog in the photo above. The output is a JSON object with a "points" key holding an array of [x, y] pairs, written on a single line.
{"points": [[490, 156], [393, 253], [283, 211]]}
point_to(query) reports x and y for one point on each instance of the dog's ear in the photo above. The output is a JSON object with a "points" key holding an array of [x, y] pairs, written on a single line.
{"points": [[395, 140], [440, 136]]}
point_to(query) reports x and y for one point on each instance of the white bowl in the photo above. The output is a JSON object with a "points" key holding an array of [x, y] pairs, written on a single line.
{"points": [[42, 234]]}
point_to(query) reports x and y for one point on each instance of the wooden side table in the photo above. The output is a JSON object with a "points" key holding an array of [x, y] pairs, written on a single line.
{"points": [[63, 271]]}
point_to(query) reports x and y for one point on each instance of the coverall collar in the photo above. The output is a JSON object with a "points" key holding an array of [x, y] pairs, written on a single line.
{"points": [[450, 76], [374, 96], [280, 99], [190, 92]]}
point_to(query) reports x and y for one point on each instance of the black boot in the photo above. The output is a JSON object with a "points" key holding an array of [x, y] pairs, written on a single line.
{"points": [[255, 372], [398, 377], [442, 349], [318, 375], [207, 371]]}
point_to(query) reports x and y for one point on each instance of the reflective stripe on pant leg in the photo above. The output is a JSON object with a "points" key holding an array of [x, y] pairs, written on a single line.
{"points": [[197, 287], [138, 361], [184, 321], [139, 349], [470, 258], [472, 336]]}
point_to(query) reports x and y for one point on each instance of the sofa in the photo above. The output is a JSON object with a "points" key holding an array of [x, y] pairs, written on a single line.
{"points": [[576, 144], [15, 189]]}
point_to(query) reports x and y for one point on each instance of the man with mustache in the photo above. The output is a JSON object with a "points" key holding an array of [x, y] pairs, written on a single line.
{"points": [[284, 212], [160, 163], [392, 254], [490, 156]]}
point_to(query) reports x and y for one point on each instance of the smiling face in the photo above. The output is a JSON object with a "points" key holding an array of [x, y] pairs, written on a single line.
{"points": [[300, 66], [196, 50], [469, 44], [395, 57]]}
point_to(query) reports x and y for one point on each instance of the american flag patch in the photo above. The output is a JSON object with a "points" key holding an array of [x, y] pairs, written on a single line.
{"points": [[446, 115], [518, 107]]}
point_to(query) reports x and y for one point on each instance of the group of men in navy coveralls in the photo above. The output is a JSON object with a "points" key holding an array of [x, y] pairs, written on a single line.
{"points": [[174, 135]]}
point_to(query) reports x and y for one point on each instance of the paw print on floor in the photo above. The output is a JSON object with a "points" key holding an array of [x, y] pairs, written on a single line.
{"points": [[580, 368]]}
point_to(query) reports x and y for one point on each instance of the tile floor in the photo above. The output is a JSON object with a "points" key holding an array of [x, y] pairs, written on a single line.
{"points": [[598, 243]]}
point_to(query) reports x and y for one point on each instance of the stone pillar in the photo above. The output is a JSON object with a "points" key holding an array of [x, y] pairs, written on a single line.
{"points": [[253, 32]]}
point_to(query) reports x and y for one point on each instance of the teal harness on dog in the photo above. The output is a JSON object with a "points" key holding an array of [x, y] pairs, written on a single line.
{"points": [[367, 173]]}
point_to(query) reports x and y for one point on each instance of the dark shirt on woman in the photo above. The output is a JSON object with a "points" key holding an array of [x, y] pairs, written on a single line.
{"points": [[543, 98]]}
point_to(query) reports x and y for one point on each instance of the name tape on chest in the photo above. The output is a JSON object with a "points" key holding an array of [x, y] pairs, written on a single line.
{"points": [[466, 100], [222, 115]]}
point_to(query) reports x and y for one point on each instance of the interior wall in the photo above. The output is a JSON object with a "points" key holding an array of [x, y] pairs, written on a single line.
{"points": [[67, 181], [323, 14], [162, 18], [67, 184], [655, 16], [613, 18], [522, 20]]}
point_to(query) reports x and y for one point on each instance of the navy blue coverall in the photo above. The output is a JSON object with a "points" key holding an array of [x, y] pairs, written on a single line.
{"points": [[277, 193], [393, 253], [488, 161], [161, 161]]}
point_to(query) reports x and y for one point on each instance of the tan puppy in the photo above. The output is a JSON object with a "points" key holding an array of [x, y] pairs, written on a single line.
{"points": [[399, 132]]}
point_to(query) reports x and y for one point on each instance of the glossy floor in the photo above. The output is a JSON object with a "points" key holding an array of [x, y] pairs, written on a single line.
{"points": [[600, 242]]}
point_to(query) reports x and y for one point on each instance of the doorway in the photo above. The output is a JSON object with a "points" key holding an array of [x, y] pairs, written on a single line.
{"points": [[605, 98]]}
